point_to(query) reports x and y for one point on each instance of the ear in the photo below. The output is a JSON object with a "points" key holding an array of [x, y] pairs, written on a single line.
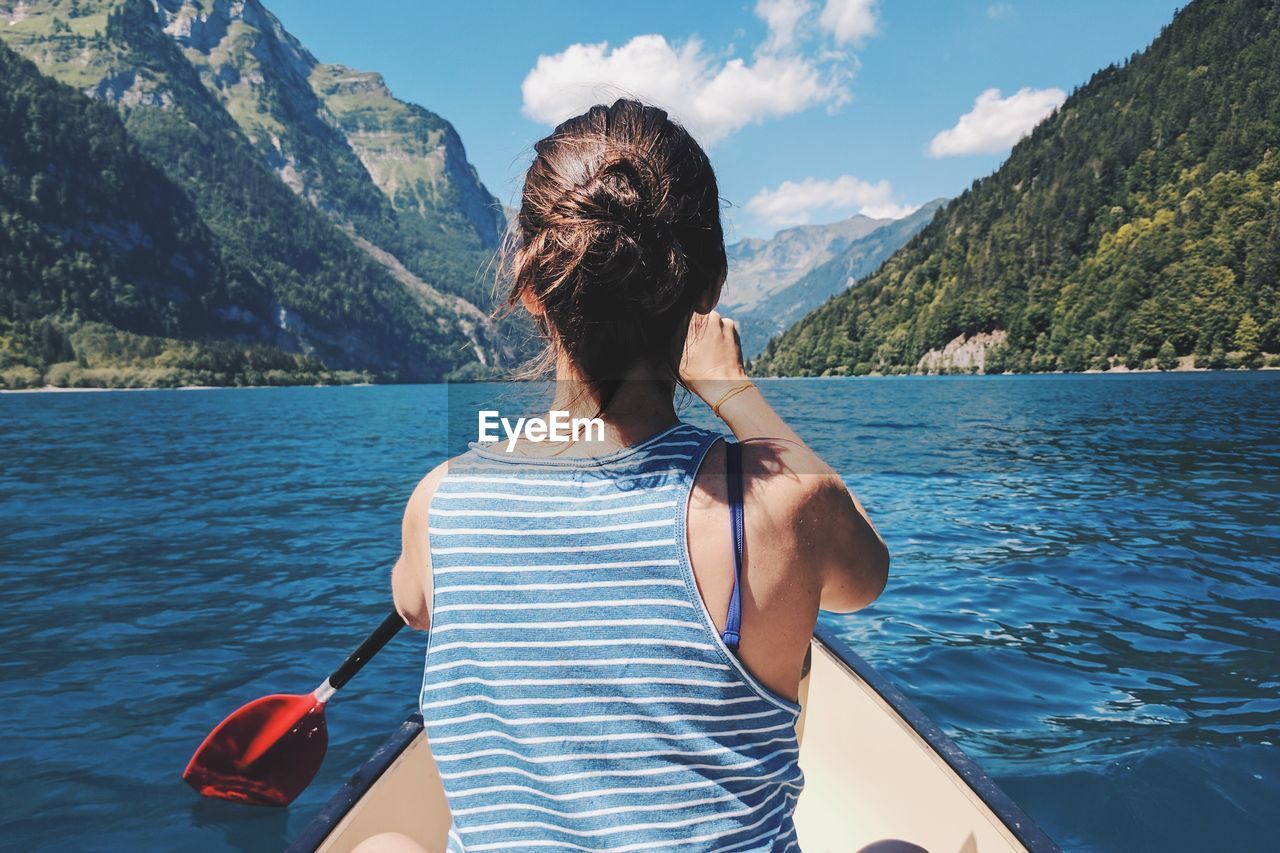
{"points": [[531, 304], [709, 299]]}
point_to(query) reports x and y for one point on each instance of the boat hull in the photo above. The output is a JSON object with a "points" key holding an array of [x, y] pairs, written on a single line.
{"points": [[879, 776]]}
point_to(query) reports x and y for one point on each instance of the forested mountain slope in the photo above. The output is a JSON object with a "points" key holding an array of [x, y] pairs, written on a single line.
{"points": [[1141, 219], [95, 239], [312, 255], [89, 225]]}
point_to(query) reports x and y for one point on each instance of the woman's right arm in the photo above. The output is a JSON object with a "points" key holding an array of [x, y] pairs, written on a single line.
{"points": [[834, 535]]}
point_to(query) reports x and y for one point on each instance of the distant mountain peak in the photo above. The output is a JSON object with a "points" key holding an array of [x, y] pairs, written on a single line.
{"points": [[198, 18], [343, 79], [854, 247], [760, 267]]}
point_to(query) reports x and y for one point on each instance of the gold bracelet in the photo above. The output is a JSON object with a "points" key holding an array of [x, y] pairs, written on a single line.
{"points": [[730, 394]]}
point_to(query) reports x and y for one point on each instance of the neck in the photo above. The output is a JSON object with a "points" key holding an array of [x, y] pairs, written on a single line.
{"points": [[642, 405]]}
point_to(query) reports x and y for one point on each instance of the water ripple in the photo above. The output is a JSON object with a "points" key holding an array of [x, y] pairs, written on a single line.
{"points": [[1085, 591]]}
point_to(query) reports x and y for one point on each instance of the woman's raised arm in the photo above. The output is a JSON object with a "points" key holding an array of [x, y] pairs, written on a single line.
{"points": [[835, 536]]}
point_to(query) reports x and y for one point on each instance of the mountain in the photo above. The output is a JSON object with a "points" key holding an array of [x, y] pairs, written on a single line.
{"points": [[285, 165], [90, 228], [1140, 221], [92, 225], [394, 173], [759, 268], [790, 275], [413, 156]]}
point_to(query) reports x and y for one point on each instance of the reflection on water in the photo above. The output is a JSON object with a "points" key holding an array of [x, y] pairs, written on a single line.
{"points": [[1085, 590]]}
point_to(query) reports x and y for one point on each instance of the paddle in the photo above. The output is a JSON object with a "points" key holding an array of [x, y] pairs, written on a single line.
{"points": [[269, 750]]}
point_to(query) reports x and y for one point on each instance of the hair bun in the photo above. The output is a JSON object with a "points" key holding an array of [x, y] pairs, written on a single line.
{"points": [[619, 236], [632, 260]]}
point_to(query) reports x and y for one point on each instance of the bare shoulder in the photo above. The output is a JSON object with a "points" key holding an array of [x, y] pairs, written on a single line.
{"points": [[809, 515], [791, 480], [415, 512], [786, 484]]}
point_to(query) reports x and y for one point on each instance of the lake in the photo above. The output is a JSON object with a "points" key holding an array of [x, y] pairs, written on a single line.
{"points": [[1085, 591]]}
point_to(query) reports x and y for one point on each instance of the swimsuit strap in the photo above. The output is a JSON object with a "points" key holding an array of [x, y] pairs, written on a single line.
{"points": [[733, 465]]}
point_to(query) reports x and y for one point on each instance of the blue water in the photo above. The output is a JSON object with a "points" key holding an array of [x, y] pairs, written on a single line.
{"points": [[1085, 591]]}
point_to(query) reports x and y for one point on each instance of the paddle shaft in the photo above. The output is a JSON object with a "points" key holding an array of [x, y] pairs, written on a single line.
{"points": [[353, 664]]}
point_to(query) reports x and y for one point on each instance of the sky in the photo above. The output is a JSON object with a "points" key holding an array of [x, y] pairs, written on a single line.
{"points": [[811, 110]]}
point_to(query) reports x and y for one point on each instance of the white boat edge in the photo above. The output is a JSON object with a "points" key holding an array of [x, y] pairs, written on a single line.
{"points": [[879, 776]]}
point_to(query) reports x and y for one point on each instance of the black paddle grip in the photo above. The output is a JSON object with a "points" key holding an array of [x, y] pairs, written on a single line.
{"points": [[370, 647]]}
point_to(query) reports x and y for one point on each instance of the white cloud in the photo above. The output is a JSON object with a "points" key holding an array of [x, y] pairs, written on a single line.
{"points": [[792, 202], [712, 95], [712, 99], [995, 124], [849, 21], [782, 17], [1000, 10]]}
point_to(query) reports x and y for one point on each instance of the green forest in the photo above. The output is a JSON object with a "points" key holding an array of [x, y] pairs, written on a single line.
{"points": [[1140, 223], [78, 354], [95, 239]]}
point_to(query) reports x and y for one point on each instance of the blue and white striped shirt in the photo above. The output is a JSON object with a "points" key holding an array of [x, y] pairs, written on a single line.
{"points": [[577, 695]]}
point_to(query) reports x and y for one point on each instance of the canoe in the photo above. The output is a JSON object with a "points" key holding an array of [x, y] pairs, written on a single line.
{"points": [[879, 776]]}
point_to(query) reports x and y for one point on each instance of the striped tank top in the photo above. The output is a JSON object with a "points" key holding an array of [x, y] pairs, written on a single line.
{"points": [[576, 694]]}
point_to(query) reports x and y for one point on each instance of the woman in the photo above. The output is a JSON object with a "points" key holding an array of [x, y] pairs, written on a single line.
{"points": [[608, 667]]}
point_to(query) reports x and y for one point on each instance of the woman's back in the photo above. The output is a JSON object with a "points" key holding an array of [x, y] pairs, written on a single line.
{"points": [[577, 692]]}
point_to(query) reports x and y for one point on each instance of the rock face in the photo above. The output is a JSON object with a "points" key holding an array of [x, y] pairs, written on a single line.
{"points": [[415, 157], [260, 74], [963, 354]]}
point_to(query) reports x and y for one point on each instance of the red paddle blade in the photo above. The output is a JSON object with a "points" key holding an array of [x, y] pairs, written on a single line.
{"points": [[265, 753]]}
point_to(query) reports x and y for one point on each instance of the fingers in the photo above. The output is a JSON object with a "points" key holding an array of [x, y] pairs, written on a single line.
{"points": [[731, 332], [705, 330], [713, 320], [718, 319]]}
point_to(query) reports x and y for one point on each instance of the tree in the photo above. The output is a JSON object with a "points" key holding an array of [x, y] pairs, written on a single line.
{"points": [[1215, 360], [1247, 338], [1167, 357]]}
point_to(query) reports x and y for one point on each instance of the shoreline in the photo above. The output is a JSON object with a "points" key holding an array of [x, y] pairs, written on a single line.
{"points": [[56, 389], [1119, 371]]}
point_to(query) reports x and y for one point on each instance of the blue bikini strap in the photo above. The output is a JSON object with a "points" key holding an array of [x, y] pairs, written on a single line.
{"points": [[733, 466]]}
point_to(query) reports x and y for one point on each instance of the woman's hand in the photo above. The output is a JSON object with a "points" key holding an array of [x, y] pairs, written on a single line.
{"points": [[712, 360]]}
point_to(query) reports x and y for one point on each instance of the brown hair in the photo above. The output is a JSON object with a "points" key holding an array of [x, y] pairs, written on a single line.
{"points": [[619, 236]]}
